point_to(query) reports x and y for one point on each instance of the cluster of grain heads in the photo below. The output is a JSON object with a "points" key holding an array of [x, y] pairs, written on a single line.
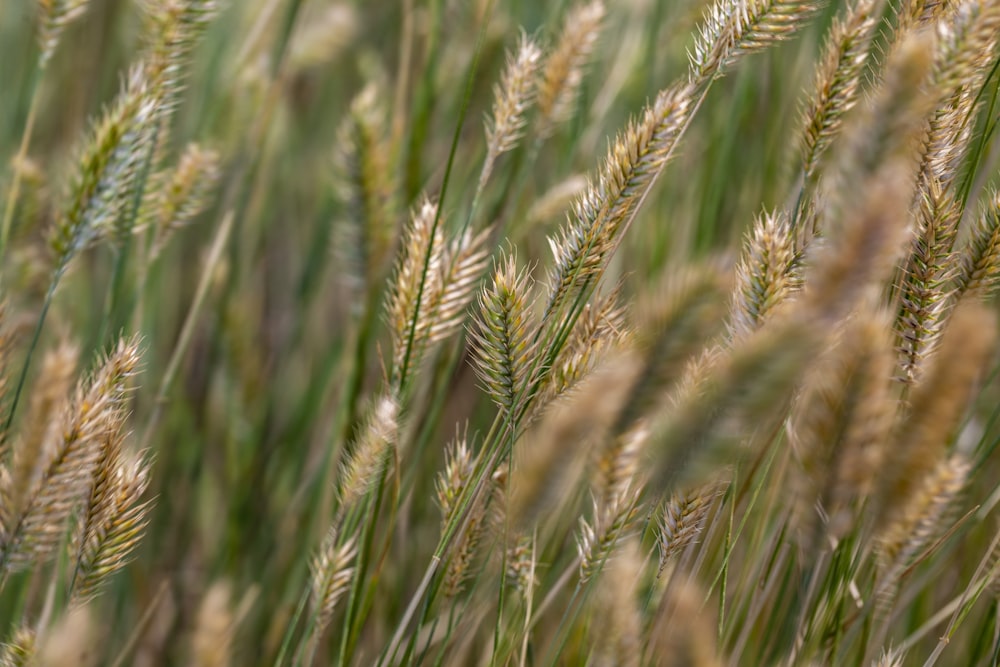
{"points": [[72, 484], [78, 463]]}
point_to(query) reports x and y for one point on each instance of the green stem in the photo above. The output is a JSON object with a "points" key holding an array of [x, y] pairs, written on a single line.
{"points": [[23, 376]]}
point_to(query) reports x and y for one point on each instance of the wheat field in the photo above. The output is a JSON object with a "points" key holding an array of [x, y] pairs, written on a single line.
{"points": [[493, 332]]}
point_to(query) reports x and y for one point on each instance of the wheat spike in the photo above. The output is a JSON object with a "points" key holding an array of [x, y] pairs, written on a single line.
{"points": [[683, 631], [512, 98], [916, 14], [618, 464], [598, 330], [965, 45], [610, 524], [885, 134], [434, 282], [734, 28], [324, 39], [765, 275], [114, 519], [502, 335], [863, 450], [19, 651], [601, 216], [104, 180], [938, 404], [39, 432], [174, 27], [979, 269], [854, 264], [556, 450], [332, 573], [184, 194], [54, 17], [371, 451], [966, 40], [563, 70], [742, 386], [521, 565], [682, 521], [925, 515], [841, 421], [925, 292], [463, 264], [71, 641], [414, 284], [67, 474], [451, 483], [838, 78]]}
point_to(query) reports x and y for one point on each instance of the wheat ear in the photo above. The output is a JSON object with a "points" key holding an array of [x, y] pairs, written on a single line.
{"points": [[512, 98], [67, 473], [114, 519], [979, 269], [502, 335], [925, 293], [562, 72], [765, 275], [734, 28], [184, 194], [937, 405], [838, 79]]}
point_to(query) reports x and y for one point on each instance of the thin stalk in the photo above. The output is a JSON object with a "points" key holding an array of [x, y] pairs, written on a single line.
{"points": [[286, 643], [35, 336], [453, 151]]}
